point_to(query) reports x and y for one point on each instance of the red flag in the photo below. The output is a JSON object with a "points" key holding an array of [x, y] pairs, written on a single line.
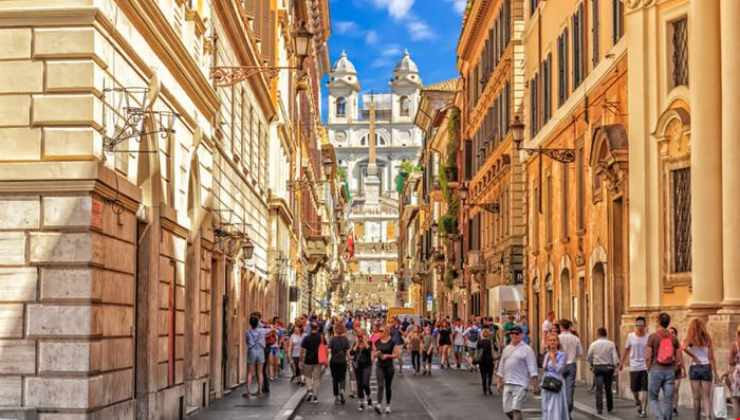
{"points": [[350, 245]]}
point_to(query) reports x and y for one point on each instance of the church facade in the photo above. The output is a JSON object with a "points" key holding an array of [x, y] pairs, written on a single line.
{"points": [[373, 134]]}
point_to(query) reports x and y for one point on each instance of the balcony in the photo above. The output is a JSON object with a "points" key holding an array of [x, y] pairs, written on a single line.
{"points": [[410, 206], [376, 249], [475, 263], [316, 251]]}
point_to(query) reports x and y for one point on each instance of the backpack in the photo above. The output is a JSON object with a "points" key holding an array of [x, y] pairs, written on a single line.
{"points": [[666, 350], [271, 338], [473, 335]]}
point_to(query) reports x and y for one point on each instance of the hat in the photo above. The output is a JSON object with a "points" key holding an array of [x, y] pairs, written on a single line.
{"points": [[515, 329]]}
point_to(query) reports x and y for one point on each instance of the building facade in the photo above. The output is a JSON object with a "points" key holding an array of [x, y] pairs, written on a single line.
{"points": [[684, 180], [577, 196], [138, 225], [372, 138], [490, 54]]}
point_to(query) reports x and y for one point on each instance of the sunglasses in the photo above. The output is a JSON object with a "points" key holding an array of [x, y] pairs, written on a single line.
{"points": [[514, 333]]}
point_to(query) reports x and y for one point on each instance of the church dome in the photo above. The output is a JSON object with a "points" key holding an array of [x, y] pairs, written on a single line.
{"points": [[406, 65], [343, 65]]}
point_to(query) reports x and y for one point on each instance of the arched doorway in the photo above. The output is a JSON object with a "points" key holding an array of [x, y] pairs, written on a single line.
{"points": [[598, 280], [566, 310]]}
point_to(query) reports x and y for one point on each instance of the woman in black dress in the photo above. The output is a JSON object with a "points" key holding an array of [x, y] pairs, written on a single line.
{"points": [[386, 351], [444, 341], [484, 356]]}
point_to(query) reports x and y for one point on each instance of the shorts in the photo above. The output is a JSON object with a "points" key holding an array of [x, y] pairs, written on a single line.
{"points": [[700, 373], [514, 397], [274, 351], [638, 380], [471, 351], [427, 357], [458, 348], [256, 355]]}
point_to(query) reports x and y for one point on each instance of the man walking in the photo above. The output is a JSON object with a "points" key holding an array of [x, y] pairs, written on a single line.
{"points": [[517, 370], [571, 345], [311, 367], [662, 356], [603, 359], [547, 327], [635, 350]]}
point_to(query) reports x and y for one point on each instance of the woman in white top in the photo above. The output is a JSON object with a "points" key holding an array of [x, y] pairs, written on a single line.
{"points": [[698, 346], [294, 349]]}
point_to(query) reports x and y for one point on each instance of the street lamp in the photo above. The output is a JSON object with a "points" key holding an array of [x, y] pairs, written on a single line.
{"points": [[563, 155], [224, 76]]}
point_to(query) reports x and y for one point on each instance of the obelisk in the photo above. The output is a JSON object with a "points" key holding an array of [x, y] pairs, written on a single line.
{"points": [[372, 182]]}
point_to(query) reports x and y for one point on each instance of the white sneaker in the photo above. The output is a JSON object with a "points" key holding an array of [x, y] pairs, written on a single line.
{"points": [[378, 408], [361, 407], [388, 409]]}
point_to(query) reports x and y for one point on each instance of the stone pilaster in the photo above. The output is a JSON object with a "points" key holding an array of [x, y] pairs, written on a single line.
{"points": [[706, 155]]}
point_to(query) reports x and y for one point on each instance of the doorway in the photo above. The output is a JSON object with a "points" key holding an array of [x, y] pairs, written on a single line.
{"points": [[565, 299], [598, 277]]}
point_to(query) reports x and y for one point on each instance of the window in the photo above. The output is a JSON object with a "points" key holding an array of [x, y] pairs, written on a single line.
{"points": [[548, 211], [533, 105], [617, 20], [404, 105], [468, 160], [341, 107], [580, 188], [681, 219], [533, 6], [547, 89], [578, 35], [564, 202], [596, 41], [563, 67], [680, 56]]}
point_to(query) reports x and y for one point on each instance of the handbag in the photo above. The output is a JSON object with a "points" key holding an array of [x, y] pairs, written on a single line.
{"points": [[476, 356], [719, 402], [552, 384], [323, 354]]}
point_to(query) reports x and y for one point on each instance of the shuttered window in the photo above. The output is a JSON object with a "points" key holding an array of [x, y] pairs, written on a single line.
{"points": [[578, 41], [595, 28], [547, 89], [563, 67]]}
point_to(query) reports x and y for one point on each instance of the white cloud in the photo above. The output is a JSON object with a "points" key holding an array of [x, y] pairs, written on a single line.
{"points": [[398, 9], [459, 5], [345, 26], [381, 62], [391, 51], [371, 37], [419, 30]]}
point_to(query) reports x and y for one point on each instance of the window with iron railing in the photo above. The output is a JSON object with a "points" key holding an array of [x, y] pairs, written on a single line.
{"points": [[681, 209], [680, 55]]}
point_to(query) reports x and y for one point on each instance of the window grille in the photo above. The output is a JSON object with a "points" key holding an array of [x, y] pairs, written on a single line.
{"points": [[681, 204], [680, 52]]}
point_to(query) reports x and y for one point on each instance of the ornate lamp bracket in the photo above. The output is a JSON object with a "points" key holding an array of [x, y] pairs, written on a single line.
{"points": [[224, 76]]}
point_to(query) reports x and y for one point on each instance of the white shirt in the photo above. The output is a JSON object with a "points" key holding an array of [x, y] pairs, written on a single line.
{"points": [[518, 364], [459, 340], [602, 352], [295, 341], [637, 346], [546, 328], [571, 345]]}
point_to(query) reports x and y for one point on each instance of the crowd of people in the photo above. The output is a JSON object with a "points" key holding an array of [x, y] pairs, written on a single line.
{"points": [[352, 347]]}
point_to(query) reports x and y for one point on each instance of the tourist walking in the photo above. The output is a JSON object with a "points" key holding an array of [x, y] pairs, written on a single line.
{"points": [[680, 374], [554, 398], [427, 350], [413, 337], [634, 350], [294, 350], [603, 358], [444, 341], [458, 342], [548, 326], [702, 368], [362, 365], [484, 358], [472, 336], [386, 351], [517, 370], [338, 348], [571, 345], [255, 342], [734, 372], [662, 356], [311, 366]]}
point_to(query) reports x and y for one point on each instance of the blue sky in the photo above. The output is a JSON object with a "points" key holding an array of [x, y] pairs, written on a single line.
{"points": [[375, 33]]}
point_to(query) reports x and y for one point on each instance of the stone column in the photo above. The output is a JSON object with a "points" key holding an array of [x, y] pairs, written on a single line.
{"points": [[730, 34], [706, 155]]}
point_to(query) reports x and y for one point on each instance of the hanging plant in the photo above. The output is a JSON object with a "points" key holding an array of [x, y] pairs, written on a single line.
{"points": [[450, 276]]}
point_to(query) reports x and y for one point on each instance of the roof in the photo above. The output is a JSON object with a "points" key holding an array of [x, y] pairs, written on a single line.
{"points": [[443, 86], [406, 65]]}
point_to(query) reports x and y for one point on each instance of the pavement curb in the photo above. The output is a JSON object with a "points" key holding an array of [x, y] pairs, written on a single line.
{"points": [[288, 409]]}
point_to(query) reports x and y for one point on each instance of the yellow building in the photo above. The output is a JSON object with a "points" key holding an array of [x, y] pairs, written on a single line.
{"points": [[684, 178]]}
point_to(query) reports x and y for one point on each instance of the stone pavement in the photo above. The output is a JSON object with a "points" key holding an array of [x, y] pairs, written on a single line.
{"points": [[624, 409], [280, 404]]}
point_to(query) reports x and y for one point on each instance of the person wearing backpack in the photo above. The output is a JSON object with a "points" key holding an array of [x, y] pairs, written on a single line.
{"points": [[472, 336], [662, 357]]}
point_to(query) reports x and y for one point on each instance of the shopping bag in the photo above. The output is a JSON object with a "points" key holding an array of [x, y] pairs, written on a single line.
{"points": [[719, 402], [323, 354]]}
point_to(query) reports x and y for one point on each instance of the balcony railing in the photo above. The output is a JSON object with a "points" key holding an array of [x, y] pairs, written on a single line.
{"points": [[376, 248]]}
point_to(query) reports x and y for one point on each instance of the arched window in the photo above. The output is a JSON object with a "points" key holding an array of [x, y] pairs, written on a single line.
{"points": [[341, 107], [405, 105]]}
